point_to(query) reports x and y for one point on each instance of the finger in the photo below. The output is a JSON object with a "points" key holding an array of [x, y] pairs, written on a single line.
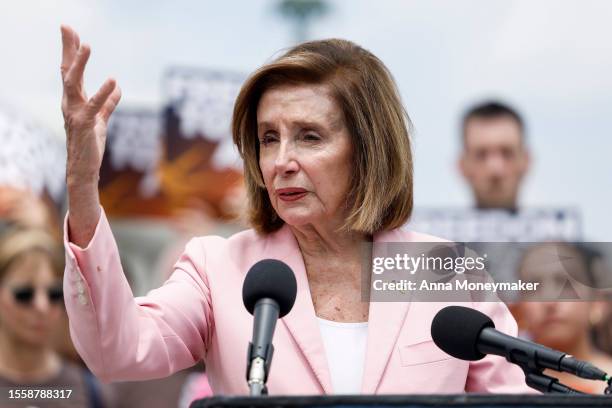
{"points": [[69, 48], [73, 82], [77, 44], [96, 102], [111, 104]]}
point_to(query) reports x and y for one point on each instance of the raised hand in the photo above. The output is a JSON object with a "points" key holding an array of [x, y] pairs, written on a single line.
{"points": [[85, 121]]}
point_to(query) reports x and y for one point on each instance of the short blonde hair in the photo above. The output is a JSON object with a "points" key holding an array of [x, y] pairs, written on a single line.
{"points": [[380, 194], [18, 243]]}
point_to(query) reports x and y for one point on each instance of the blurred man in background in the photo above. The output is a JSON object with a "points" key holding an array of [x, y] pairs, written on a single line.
{"points": [[495, 157]]}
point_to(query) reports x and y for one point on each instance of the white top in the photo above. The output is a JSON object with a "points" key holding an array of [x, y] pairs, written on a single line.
{"points": [[345, 349]]}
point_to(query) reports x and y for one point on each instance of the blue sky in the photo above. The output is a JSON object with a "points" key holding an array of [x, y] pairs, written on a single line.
{"points": [[551, 59]]}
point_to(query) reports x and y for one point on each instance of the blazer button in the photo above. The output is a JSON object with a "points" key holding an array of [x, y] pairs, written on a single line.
{"points": [[80, 287]]}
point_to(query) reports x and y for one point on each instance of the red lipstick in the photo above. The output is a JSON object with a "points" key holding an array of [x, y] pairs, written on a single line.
{"points": [[291, 193]]}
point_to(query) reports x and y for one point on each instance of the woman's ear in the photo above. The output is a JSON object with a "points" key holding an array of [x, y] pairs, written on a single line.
{"points": [[596, 313]]}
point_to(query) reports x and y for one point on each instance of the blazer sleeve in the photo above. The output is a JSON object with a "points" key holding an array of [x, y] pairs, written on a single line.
{"points": [[493, 374], [121, 337]]}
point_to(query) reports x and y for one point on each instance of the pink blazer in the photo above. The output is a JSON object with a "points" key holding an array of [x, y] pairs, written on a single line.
{"points": [[198, 314]]}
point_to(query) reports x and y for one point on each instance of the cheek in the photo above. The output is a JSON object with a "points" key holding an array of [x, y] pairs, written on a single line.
{"points": [[266, 166], [532, 313], [10, 314], [576, 312], [330, 183], [54, 314], [333, 172]]}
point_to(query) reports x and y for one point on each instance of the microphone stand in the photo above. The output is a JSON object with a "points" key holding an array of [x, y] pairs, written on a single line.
{"points": [[261, 349], [257, 371], [547, 384], [536, 379]]}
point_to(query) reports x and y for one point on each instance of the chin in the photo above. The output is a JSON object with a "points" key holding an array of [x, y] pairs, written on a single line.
{"points": [[501, 202], [36, 339], [561, 343], [296, 219], [296, 222]]}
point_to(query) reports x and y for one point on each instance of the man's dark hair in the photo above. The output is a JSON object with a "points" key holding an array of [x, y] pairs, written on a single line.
{"points": [[492, 110]]}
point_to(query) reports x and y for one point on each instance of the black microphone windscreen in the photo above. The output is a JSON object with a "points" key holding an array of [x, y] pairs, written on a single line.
{"points": [[455, 330], [270, 278]]}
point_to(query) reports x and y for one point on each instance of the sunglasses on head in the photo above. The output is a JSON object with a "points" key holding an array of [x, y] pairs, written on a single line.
{"points": [[25, 294]]}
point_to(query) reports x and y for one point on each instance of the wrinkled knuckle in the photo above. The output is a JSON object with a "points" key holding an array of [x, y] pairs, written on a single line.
{"points": [[70, 83]]}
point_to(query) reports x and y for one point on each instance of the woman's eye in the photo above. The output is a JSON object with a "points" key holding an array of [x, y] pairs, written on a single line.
{"points": [[267, 139], [311, 137]]}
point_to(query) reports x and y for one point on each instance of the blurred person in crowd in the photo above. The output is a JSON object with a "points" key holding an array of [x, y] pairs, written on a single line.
{"points": [[328, 166], [23, 208], [495, 158], [603, 330], [563, 271], [602, 275], [31, 306]]}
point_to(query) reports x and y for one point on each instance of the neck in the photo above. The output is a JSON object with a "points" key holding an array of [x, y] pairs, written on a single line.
{"points": [[325, 251], [511, 207], [25, 363], [327, 241]]}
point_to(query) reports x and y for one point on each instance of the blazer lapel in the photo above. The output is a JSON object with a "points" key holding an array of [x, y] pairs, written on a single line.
{"points": [[301, 321], [385, 322]]}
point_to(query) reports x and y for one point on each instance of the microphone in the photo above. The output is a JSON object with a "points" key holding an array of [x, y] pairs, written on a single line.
{"points": [[268, 293], [468, 334]]}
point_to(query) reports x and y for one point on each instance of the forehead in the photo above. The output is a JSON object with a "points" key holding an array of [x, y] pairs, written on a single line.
{"points": [[551, 260], [311, 102], [557, 266], [31, 268], [492, 132]]}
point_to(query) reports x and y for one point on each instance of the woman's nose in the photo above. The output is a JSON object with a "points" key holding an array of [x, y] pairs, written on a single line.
{"points": [[41, 302], [286, 162]]}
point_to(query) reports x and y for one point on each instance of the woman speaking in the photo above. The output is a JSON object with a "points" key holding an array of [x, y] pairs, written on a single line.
{"points": [[327, 165]]}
